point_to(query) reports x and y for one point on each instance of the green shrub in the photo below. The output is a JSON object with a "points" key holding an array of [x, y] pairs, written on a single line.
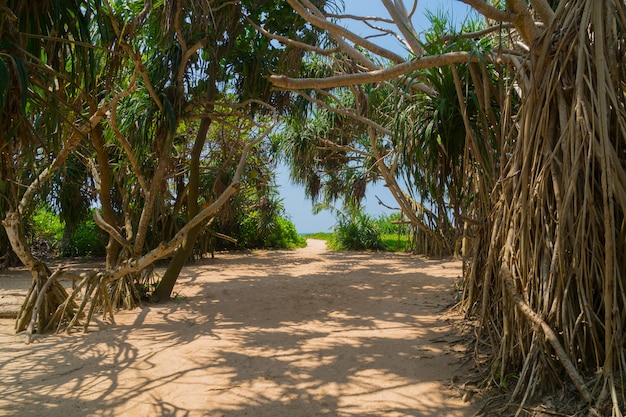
{"points": [[45, 226], [386, 225], [319, 235], [394, 233], [277, 232], [357, 232], [45, 229], [88, 240], [246, 233], [396, 242], [284, 236]]}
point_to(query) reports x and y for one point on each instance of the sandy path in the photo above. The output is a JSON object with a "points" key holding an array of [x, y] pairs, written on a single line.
{"points": [[271, 333]]}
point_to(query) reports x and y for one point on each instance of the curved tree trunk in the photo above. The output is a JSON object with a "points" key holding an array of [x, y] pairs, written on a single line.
{"points": [[165, 287], [104, 191]]}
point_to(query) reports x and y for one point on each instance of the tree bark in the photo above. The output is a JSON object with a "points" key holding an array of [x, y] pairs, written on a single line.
{"points": [[102, 155], [68, 232], [165, 287], [55, 294]]}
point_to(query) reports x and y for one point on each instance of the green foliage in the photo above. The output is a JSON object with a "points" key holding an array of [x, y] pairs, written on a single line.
{"points": [[247, 235], [389, 223], [395, 234], [359, 231], [87, 240], [396, 242], [277, 233], [284, 235], [356, 232], [320, 235], [45, 225]]}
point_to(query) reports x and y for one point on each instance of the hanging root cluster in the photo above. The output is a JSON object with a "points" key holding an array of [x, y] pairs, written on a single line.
{"points": [[551, 290], [49, 306], [46, 303]]}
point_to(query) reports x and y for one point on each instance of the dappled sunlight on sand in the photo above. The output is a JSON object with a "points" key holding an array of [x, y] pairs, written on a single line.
{"points": [[286, 333]]}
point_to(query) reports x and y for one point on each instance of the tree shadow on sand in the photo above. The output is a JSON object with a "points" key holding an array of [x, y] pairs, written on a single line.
{"points": [[357, 334]]}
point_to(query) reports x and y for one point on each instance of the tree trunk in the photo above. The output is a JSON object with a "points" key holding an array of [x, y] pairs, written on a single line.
{"points": [[56, 294], [68, 232], [102, 156], [553, 288], [165, 287]]}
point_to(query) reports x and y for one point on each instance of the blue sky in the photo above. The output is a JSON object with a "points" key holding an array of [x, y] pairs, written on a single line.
{"points": [[297, 206]]}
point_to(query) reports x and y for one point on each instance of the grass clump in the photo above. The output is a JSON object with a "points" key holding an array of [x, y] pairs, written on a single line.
{"points": [[319, 235], [356, 232]]}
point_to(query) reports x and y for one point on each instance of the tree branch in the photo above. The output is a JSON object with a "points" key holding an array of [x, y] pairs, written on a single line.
{"points": [[112, 231], [338, 31], [523, 21], [287, 41], [399, 14], [284, 82], [364, 19], [490, 12], [68, 146], [351, 51], [544, 10]]}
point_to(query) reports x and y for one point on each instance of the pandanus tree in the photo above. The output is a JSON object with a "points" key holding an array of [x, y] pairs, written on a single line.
{"points": [[139, 87], [230, 72], [445, 134], [545, 281], [63, 107], [557, 224], [47, 65]]}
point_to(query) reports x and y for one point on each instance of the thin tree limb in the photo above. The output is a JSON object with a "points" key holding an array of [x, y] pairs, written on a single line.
{"points": [[112, 231], [399, 14], [284, 82], [490, 12], [287, 41], [337, 30]]}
